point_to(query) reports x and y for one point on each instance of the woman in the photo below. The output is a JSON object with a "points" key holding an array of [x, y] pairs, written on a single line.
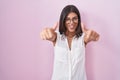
{"points": [[69, 45]]}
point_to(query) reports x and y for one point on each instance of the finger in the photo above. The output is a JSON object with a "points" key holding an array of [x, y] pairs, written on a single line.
{"points": [[83, 27], [92, 35], [96, 35], [49, 33], [46, 34], [97, 38], [42, 36], [89, 34], [55, 26]]}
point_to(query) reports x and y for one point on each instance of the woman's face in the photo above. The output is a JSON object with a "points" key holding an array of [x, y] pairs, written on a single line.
{"points": [[71, 22]]}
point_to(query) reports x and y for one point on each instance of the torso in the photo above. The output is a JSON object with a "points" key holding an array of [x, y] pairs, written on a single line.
{"points": [[69, 58]]}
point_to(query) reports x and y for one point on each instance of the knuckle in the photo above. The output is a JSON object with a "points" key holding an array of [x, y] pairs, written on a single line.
{"points": [[50, 36]]}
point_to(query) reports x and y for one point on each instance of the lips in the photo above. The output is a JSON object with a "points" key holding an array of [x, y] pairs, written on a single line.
{"points": [[71, 27]]}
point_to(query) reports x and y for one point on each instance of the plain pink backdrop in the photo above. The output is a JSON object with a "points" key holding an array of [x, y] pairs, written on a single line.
{"points": [[24, 56]]}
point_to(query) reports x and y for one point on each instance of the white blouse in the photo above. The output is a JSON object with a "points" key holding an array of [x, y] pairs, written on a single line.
{"points": [[69, 64]]}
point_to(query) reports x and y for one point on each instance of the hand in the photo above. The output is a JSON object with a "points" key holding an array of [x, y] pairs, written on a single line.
{"points": [[49, 33], [90, 35]]}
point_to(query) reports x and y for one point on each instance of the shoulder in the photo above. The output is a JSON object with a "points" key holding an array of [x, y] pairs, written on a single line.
{"points": [[80, 40], [60, 38]]}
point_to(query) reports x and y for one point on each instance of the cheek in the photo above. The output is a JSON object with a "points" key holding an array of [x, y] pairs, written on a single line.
{"points": [[76, 25]]}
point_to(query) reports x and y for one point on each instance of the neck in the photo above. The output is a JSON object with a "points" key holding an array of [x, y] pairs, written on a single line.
{"points": [[70, 34]]}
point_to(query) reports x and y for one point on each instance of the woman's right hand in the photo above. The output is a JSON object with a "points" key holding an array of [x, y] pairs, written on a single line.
{"points": [[49, 33]]}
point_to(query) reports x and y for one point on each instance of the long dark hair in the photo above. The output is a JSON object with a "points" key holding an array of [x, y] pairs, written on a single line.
{"points": [[66, 10]]}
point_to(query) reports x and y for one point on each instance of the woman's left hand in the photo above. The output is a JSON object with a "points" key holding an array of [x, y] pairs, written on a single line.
{"points": [[90, 35]]}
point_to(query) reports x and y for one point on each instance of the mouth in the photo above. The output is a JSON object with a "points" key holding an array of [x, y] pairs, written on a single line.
{"points": [[71, 27]]}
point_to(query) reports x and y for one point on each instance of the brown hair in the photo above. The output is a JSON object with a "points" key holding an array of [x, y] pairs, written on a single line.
{"points": [[66, 10]]}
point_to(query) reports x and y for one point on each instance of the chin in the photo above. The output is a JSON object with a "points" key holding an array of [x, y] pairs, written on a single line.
{"points": [[71, 31]]}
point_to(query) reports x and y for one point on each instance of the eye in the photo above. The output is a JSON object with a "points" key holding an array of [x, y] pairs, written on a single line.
{"points": [[67, 19], [75, 18]]}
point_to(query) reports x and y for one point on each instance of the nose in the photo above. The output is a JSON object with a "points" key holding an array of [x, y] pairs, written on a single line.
{"points": [[71, 21]]}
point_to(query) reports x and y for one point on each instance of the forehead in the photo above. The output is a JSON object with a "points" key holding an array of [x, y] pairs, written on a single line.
{"points": [[72, 14]]}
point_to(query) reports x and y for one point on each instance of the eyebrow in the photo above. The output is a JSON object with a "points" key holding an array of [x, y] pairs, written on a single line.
{"points": [[73, 17]]}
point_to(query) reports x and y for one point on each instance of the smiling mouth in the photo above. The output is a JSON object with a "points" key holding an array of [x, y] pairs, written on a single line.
{"points": [[71, 27]]}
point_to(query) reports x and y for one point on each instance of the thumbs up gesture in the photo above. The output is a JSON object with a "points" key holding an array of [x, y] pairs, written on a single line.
{"points": [[49, 33], [90, 35]]}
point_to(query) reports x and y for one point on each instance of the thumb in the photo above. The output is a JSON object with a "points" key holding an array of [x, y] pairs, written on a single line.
{"points": [[55, 26], [83, 27]]}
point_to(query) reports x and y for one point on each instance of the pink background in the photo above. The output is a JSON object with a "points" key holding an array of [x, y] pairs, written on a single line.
{"points": [[24, 56]]}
